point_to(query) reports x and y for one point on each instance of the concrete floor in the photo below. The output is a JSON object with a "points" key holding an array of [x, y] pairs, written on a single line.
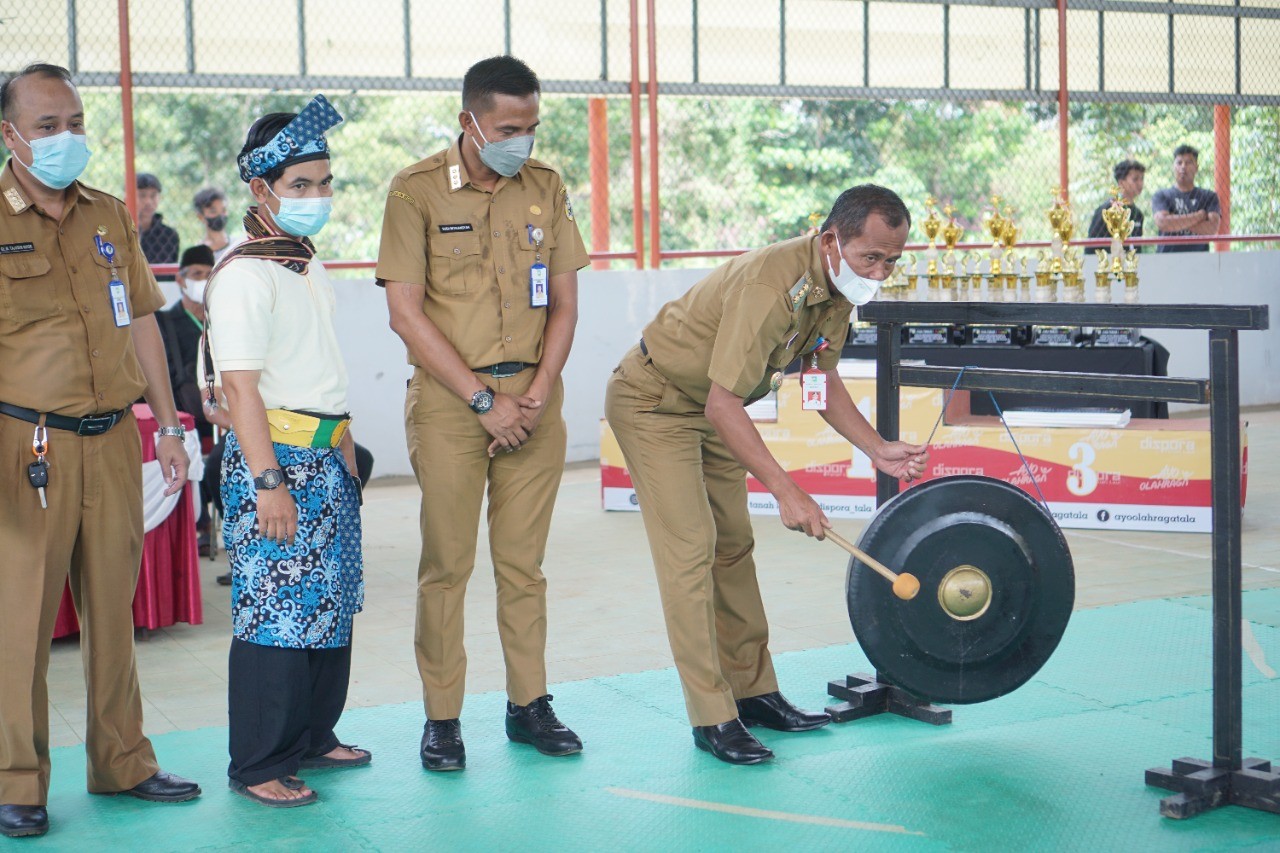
{"points": [[604, 615]]}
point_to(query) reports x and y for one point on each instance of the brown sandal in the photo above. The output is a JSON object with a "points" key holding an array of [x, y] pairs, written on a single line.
{"points": [[243, 790]]}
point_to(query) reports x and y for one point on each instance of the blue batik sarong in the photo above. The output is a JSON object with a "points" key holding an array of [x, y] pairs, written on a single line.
{"points": [[304, 595]]}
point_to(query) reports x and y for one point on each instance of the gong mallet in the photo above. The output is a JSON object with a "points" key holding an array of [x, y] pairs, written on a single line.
{"points": [[905, 584]]}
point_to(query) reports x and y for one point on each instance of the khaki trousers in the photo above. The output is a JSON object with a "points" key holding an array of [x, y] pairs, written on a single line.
{"points": [[92, 531], [448, 451], [693, 498]]}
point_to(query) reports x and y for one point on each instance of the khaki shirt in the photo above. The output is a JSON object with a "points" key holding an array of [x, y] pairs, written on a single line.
{"points": [[749, 319], [60, 349], [471, 249]]}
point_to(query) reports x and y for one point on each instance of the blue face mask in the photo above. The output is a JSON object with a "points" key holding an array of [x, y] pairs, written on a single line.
{"points": [[507, 156], [57, 160], [302, 217]]}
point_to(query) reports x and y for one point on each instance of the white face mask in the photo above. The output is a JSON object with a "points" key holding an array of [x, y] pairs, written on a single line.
{"points": [[855, 288], [195, 289]]}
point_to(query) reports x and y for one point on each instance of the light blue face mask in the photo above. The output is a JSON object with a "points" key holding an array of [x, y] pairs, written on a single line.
{"points": [[302, 217], [57, 160], [506, 156]]}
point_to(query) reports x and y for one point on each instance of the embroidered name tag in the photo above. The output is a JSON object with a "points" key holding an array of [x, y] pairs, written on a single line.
{"points": [[453, 229], [16, 248]]}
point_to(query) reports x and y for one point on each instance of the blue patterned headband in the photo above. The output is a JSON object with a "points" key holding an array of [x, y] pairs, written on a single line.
{"points": [[301, 140]]}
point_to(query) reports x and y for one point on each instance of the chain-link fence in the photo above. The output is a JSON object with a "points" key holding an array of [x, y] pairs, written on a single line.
{"points": [[764, 109]]}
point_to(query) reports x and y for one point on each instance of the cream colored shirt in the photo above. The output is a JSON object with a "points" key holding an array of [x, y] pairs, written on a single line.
{"points": [[265, 317]]}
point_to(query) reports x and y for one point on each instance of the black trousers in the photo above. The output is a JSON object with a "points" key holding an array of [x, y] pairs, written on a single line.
{"points": [[284, 704]]}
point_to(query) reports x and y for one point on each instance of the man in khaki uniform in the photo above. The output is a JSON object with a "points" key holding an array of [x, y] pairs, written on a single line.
{"points": [[675, 404], [479, 257], [78, 345]]}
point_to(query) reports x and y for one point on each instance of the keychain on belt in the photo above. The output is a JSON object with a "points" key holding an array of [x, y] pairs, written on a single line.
{"points": [[38, 471], [537, 272], [813, 382]]}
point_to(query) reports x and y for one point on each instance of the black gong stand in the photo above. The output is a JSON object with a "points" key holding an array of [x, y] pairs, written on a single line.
{"points": [[1201, 785]]}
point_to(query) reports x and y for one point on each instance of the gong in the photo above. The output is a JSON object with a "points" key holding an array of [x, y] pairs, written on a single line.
{"points": [[996, 589]]}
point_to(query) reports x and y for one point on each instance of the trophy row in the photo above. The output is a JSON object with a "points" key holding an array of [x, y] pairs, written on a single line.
{"points": [[1003, 274]]}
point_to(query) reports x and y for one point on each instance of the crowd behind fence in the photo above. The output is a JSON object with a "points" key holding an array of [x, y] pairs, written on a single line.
{"points": [[689, 128]]}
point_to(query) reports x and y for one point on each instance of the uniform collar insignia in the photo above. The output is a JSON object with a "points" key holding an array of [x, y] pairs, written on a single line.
{"points": [[800, 290], [456, 169], [17, 203]]}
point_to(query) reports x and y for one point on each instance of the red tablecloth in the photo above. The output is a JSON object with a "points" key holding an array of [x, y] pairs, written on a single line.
{"points": [[169, 582]]}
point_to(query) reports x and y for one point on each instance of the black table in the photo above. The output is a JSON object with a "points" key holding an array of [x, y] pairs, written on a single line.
{"points": [[1149, 358]]}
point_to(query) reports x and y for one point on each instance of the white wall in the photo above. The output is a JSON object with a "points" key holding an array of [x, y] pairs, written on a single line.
{"points": [[615, 306]]}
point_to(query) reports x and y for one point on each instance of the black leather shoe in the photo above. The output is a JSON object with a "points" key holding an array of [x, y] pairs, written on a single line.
{"points": [[773, 711], [224, 580], [442, 747], [164, 788], [536, 723], [731, 742], [17, 821]]}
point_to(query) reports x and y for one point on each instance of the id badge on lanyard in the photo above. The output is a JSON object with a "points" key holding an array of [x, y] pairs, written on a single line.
{"points": [[538, 284], [813, 383], [116, 291]]}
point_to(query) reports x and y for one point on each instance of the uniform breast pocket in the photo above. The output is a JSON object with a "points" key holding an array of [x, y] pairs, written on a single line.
{"points": [[531, 250], [456, 263], [786, 352], [26, 289]]}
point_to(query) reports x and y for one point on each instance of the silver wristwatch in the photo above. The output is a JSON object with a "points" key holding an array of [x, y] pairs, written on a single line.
{"points": [[179, 432], [482, 401]]}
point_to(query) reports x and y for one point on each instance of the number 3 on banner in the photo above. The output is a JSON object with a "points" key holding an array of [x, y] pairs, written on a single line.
{"points": [[1082, 479]]}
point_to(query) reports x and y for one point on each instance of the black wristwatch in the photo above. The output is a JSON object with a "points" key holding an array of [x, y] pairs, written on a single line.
{"points": [[481, 401], [269, 479]]}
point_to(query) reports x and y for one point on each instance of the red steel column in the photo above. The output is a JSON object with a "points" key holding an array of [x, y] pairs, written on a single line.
{"points": [[126, 111], [637, 189], [1222, 168], [598, 154], [1063, 165], [655, 221]]}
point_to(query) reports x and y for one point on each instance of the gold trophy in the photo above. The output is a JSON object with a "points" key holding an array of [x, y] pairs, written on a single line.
{"points": [[1130, 270], [1116, 218], [1060, 223], [951, 234], [931, 334], [1120, 226], [1102, 278]]}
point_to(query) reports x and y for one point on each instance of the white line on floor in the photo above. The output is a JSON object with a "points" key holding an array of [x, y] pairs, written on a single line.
{"points": [[746, 811], [1254, 650], [1109, 541]]}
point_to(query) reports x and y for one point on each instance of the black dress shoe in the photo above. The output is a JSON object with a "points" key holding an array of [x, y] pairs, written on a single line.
{"points": [[537, 724], [442, 747], [731, 742], [773, 711], [224, 580], [164, 788], [17, 821]]}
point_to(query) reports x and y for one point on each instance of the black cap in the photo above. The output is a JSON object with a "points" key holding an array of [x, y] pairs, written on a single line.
{"points": [[148, 181], [200, 254]]}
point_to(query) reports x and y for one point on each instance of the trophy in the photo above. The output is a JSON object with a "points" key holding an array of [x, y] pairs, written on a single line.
{"points": [[1120, 226], [1003, 277], [1102, 279], [932, 334], [1116, 218], [1063, 266], [1060, 223]]}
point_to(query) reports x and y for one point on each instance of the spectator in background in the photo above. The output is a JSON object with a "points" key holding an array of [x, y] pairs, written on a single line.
{"points": [[1130, 175], [159, 241], [1185, 209], [211, 209], [181, 326]]}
